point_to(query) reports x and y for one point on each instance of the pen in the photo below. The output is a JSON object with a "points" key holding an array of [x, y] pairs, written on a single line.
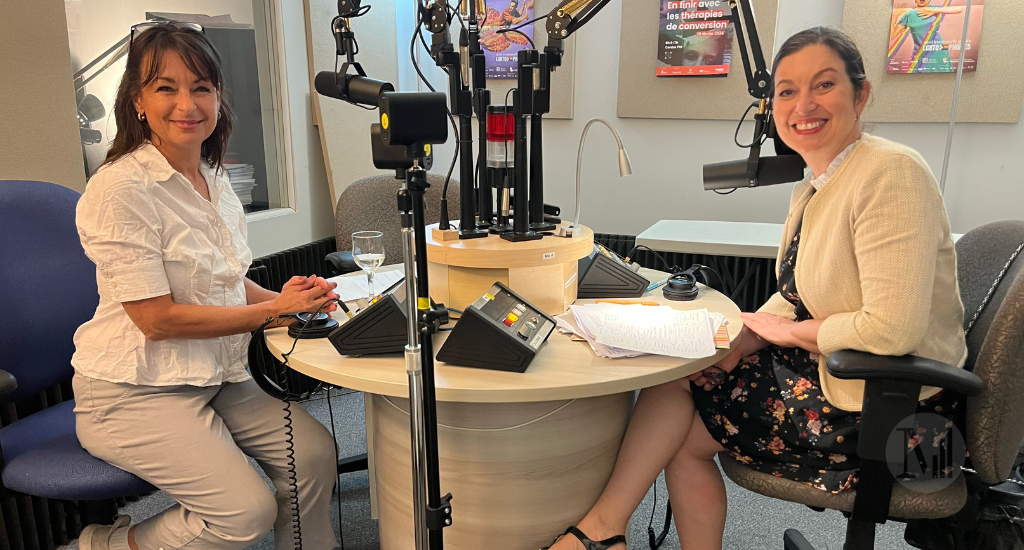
{"points": [[654, 286], [625, 303]]}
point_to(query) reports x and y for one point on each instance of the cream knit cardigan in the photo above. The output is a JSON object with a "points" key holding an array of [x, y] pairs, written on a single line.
{"points": [[876, 262]]}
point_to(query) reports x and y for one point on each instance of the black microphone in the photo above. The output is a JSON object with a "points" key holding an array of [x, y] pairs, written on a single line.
{"points": [[352, 88], [767, 171]]}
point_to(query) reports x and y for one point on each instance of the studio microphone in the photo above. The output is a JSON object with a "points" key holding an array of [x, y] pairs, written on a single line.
{"points": [[765, 171], [757, 171], [353, 88]]}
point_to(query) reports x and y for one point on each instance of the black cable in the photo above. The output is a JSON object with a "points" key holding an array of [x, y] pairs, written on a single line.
{"points": [[736, 134], [523, 34], [456, 13], [671, 268], [412, 56], [655, 541], [289, 433], [293, 479], [507, 107], [521, 25], [337, 458]]}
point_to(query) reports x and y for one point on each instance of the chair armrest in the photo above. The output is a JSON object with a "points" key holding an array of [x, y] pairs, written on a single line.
{"points": [[849, 364], [7, 384], [343, 261]]}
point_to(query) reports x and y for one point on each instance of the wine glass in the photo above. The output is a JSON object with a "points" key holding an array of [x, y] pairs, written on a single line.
{"points": [[368, 253]]}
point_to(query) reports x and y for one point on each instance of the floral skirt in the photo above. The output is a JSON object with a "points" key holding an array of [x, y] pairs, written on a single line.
{"points": [[771, 415]]}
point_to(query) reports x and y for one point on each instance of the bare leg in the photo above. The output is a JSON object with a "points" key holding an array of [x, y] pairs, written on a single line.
{"points": [[697, 491], [661, 420]]}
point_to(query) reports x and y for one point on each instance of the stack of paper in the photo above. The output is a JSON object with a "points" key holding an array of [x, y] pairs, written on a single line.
{"points": [[242, 182], [630, 330]]}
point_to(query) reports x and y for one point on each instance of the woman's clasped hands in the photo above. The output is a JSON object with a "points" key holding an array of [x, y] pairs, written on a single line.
{"points": [[306, 294]]}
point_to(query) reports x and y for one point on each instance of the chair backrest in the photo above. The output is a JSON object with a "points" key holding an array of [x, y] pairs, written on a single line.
{"points": [[47, 283], [995, 420], [369, 204]]}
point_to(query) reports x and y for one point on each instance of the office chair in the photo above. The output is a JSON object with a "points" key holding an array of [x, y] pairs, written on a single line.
{"points": [[369, 204], [47, 289], [995, 406]]}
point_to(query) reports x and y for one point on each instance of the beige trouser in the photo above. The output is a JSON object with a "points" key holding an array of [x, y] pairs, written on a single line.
{"points": [[191, 442]]}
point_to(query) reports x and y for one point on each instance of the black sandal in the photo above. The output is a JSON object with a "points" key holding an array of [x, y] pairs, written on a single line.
{"points": [[590, 544]]}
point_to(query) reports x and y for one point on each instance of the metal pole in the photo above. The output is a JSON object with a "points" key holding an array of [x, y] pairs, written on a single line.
{"points": [[956, 97], [414, 368]]}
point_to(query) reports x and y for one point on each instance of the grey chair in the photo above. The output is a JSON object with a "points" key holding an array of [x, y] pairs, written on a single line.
{"points": [[995, 406], [370, 204]]}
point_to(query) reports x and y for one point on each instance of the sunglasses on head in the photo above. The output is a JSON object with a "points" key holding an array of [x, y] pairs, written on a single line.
{"points": [[150, 24]]}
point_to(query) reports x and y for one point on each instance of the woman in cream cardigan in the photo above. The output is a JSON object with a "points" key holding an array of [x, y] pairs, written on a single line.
{"points": [[876, 272]]}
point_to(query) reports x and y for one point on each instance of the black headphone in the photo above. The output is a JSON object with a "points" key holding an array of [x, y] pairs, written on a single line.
{"points": [[682, 286], [308, 326], [276, 378]]}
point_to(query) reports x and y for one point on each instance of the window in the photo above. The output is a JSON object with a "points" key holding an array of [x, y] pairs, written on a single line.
{"points": [[244, 33]]}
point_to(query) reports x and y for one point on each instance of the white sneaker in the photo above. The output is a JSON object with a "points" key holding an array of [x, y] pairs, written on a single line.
{"points": [[106, 537]]}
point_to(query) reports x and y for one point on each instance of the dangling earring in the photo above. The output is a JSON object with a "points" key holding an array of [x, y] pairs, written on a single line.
{"points": [[141, 116]]}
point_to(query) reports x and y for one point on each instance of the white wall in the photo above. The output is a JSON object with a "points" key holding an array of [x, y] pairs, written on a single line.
{"points": [[983, 183]]}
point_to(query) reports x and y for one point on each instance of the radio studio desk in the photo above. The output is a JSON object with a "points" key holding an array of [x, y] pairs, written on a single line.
{"points": [[524, 455]]}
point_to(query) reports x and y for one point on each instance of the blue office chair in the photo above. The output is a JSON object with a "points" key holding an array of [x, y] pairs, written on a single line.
{"points": [[47, 289]]}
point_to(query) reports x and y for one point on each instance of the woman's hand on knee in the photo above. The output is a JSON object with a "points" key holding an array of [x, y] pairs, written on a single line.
{"points": [[747, 343]]}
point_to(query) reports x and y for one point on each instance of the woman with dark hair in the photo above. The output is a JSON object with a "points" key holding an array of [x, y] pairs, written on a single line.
{"points": [[160, 382], [876, 273]]}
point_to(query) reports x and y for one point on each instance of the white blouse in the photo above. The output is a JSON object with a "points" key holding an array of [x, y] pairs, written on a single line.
{"points": [[150, 233], [817, 182]]}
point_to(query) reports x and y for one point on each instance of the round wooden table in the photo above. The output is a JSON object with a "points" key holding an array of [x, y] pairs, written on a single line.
{"points": [[524, 455]]}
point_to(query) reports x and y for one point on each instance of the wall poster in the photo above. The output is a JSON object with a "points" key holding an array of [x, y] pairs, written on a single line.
{"points": [[500, 49], [924, 36], [694, 38]]}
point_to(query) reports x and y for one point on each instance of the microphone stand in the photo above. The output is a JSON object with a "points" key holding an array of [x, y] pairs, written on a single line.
{"points": [[481, 100], [432, 512], [445, 56], [522, 101], [537, 106]]}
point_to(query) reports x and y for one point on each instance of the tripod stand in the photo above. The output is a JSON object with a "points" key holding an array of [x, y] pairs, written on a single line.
{"points": [[432, 512]]}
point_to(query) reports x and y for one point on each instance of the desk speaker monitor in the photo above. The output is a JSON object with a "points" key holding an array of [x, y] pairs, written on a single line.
{"points": [[377, 328], [500, 331], [602, 274]]}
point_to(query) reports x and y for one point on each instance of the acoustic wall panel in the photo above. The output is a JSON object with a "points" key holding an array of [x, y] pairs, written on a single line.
{"points": [[992, 93], [644, 95]]}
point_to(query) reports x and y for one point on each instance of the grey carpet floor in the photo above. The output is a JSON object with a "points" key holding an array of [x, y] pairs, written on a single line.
{"points": [[754, 521]]}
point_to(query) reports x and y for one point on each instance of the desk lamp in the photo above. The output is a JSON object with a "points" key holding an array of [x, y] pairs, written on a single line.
{"points": [[624, 170]]}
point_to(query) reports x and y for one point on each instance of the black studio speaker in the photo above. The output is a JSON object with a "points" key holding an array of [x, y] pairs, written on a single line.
{"points": [[378, 328], [602, 274]]}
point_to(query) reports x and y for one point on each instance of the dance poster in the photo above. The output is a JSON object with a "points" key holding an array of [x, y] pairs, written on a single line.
{"points": [[924, 36], [500, 49], [694, 38]]}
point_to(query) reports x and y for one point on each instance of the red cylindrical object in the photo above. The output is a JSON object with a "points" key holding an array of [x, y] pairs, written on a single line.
{"points": [[500, 123], [500, 136]]}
